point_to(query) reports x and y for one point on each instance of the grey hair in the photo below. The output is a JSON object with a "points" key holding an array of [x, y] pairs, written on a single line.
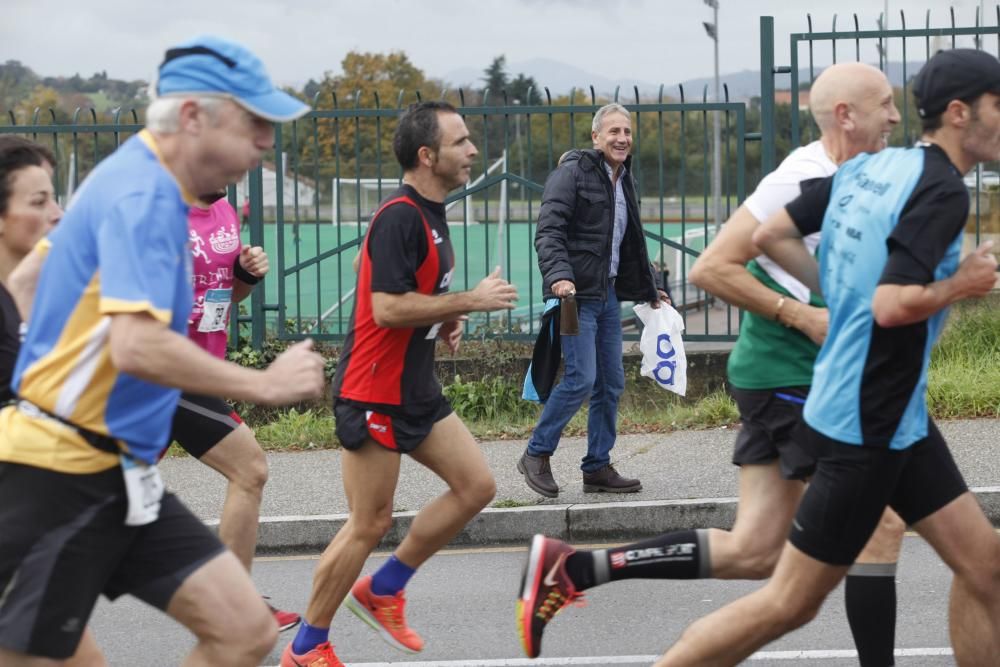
{"points": [[163, 113], [614, 107]]}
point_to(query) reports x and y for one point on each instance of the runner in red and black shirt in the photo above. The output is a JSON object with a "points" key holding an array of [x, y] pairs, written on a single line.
{"points": [[390, 371], [387, 400]]}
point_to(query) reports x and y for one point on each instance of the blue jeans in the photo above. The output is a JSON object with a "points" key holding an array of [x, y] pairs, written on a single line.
{"points": [[592, 367]]}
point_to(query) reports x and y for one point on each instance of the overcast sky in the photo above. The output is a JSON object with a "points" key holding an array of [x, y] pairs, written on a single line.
{"points": [[658, 41]]}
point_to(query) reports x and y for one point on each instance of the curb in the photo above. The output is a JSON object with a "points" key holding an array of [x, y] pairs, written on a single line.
{"points": [[581, 522]]}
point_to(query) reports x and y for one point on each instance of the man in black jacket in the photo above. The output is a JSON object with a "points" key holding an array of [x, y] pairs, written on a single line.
{"points": [[590, 245]]}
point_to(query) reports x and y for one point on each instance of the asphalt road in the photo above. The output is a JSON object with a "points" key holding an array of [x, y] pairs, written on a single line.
{"points": [[462, 602]]}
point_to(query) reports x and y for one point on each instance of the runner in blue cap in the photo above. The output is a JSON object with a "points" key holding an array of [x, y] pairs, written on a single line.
{"points": [[82, 507]]}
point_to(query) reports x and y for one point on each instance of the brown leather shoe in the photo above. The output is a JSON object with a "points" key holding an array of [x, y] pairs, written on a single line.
{"points": [[607, 479], [538, 474]]}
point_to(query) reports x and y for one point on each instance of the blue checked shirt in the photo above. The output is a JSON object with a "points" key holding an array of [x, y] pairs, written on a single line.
{"points": [[621, 218]]}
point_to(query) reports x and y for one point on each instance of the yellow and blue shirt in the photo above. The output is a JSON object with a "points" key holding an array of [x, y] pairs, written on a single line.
{"points": [[120, 248]]}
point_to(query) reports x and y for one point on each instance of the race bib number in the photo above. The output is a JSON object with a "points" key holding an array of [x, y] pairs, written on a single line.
{"points": [[144, 488], [215, 313]]}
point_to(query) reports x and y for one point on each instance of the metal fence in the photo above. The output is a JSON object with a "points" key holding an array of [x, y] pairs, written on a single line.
{"points": [[913, 46], [310, 203], [492, 220]]}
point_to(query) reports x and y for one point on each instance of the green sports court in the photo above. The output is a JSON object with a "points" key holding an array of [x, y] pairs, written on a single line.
{"points": [[325, 288]]}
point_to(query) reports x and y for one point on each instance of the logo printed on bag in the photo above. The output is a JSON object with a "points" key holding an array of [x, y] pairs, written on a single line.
{"points": [[662, 347], [669, 362]]}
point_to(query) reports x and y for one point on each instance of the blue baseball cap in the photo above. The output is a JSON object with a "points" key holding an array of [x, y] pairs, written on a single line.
{"points": [[215, 66]]}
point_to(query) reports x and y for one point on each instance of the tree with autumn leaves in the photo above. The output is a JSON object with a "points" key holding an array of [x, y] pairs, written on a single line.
{"points": [[340, 142]]}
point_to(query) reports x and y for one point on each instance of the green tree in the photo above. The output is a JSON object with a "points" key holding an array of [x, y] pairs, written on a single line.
{"points": [[524, 89], [495, 78], [16, 83], [497, 132]]}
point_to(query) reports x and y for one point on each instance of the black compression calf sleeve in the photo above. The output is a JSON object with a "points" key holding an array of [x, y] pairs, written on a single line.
{"points": [[870, 598], [678, 555]]}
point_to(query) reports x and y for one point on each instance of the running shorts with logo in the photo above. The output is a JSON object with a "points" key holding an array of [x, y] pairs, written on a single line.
{"points": [[70, 544], [890, 218], [391, 426], [201, 422], [768, 421]]}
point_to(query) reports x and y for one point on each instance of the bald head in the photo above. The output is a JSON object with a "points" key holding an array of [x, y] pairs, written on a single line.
{"points": [[850, 83]]}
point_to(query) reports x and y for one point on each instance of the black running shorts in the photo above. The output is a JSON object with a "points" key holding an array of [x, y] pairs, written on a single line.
{"points": [[768, 418], [392, 427], [63, 542], [201, 422], [852, 486]]}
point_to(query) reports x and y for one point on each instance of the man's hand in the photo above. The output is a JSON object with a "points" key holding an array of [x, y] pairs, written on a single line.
{"points": [[810, 320], [451, 333], [253, 259], [663, 299], [977, 272], [296, 375], [494, 293], [563, 288]]}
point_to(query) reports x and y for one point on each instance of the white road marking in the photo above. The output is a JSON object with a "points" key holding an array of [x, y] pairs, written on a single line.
{"points": [[644, 659]]}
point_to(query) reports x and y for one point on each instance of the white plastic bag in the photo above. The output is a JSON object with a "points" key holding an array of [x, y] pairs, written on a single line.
{"points": [[663, 357]]}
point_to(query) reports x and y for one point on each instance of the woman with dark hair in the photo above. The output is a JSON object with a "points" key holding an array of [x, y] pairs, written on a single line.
{"points": [[28, 211]]}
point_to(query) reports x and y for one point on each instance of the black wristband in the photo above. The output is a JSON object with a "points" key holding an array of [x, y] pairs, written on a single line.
{"points": [[243, 275]]}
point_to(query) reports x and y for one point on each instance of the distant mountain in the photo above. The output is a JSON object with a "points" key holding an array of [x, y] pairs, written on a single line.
{"points": [[561, 77], [558, 76], [746, 84]]}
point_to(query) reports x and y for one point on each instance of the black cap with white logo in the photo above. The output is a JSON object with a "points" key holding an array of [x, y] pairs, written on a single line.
{"points": [[958, 74]]}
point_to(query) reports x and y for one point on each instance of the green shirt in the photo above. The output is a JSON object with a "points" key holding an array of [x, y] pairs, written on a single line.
{"points": [[768, 354]]}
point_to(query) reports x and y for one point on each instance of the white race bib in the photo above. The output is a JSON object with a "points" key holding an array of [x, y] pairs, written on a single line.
{"points": [[144, 488], [216, 310]]}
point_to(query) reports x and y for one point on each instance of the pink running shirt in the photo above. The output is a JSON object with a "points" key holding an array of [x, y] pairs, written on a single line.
{"points": [[215, 245]]}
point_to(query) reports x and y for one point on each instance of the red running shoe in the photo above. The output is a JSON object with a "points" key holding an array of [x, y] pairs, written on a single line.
{"points": [[321, 656], [545, 590], [286, 619], [384, 613]]}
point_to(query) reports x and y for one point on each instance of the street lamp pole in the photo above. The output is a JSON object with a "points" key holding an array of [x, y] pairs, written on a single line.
{"points": [[713, 31]]}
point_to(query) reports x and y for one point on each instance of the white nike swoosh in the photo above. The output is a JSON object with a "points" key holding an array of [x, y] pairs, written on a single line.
{"points": [[550, 578]]}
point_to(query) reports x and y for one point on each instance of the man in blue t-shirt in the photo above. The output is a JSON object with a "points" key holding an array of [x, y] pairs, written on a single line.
{"points": [[82, 507], [889, 268]]}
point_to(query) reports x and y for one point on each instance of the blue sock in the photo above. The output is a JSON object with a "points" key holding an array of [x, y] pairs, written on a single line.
{"points": [[308, 638], [391, 577]]}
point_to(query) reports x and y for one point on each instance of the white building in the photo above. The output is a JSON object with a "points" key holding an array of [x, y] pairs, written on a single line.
{"points": [[306, 189]]}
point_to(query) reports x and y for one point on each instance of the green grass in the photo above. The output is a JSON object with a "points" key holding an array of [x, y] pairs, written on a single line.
{"points": [[964, 376], [638, 413], [294, 430]]}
